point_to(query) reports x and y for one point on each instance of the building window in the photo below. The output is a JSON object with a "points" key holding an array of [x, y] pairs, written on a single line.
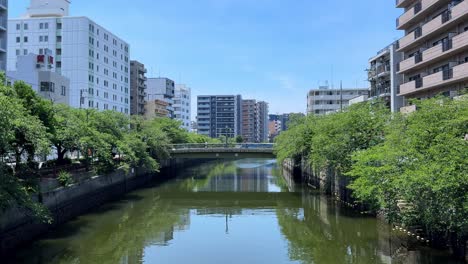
{"points": [[59, 25], [18, 52], [58, 52], [41, 51], [41, 38], [63, 92], [25, 52], [47, 87], [58, 64], [41, 25], [18, 26], [25, 26], [18, 39], [59, 39]]}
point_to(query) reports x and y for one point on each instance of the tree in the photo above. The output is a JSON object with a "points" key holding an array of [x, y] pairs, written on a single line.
{"points": [[239, 139]]}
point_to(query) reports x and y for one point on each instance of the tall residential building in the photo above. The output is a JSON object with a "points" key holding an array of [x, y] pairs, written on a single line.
{"points": [[183, 105], [38, 72], [435, 47], [262, 122], [383, 77], [325, 100], [279, 123], [254, 121], [137, 88], [95, 60], [155, 108], [219, 115], [162, 89], [3, 33]]}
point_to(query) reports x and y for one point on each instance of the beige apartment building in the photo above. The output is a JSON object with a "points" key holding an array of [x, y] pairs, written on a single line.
{"points": [[156, 108], [435, 48]]}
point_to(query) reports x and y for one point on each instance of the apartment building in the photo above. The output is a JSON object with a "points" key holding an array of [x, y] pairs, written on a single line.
{"points": [[262, 122], [183, 105], [137, 88], [219, 115], [383, 78], [254, 121], [435, 48], [38, 72], [325, 100], [3, 33], [162, 89], [155, 108], [95, 60]]}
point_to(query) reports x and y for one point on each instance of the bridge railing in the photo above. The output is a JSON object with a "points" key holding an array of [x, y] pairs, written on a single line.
{"points": [[221, 146]]}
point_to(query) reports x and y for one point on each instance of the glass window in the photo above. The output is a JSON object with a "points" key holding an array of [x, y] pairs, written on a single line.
{"points": [[25, 39], [25, 26], [18, 26], [63, 92]]}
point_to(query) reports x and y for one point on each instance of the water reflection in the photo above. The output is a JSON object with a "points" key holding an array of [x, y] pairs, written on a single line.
{"points": [[225, 212]]}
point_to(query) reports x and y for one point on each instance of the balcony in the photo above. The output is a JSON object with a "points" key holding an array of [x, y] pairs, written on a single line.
{"points": [[456, 74], [4, 4], [437, 25], [442, 51], [403, 3], [418, 11]]}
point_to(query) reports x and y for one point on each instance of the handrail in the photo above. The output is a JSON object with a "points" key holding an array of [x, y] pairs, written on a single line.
{"points": [[222, 146]]}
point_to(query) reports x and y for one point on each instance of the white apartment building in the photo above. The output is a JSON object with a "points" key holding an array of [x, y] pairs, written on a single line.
{"points": [[183, 105], [325, 100], [38, 71], [95, 60], [3, 33]]}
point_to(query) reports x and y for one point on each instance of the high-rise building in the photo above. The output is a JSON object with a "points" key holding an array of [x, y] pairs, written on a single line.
{"points": [[219, 115], [38, 72], [254, 121], [95, 60], [137, 88], [262, 122], [279, 123], [435, 48], [183, 105], [325, 100], [383, 77], [162, 89], [3, 33], [155, 108]]}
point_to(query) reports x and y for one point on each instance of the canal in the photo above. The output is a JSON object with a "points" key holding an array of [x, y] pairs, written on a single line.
{"points": [[241, 211]]}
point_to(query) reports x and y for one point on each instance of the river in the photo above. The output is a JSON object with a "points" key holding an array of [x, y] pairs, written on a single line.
{"points": [[226, 212]]}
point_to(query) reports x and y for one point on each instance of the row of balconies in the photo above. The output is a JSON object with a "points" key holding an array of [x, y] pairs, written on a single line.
{"points": [[436, 53], [438, 79], [418, 10], [437, 24], [403, 3]]}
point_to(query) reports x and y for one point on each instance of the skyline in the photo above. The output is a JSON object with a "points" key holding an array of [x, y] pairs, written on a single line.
{"points": [[263, 50]]}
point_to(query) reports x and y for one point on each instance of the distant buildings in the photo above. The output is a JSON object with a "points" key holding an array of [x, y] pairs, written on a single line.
{"points": [[279, 123], [183, 105], [156, 108], [434, 48], [254, 121], [3, 33], [38, 71], [162, 89], [383, 77], [325, 100], [137, 88], [219, 115], [95, 60]]}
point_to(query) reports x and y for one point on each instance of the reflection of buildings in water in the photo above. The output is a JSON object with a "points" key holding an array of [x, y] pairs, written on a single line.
{"points": [[219, 211], [184, 221], [241, 180]]}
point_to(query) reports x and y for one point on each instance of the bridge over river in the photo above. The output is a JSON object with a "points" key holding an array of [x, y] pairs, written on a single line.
{"points": [[222, 151]]}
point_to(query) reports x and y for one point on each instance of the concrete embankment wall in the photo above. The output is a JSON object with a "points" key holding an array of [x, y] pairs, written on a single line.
{"points": [[17, 227]]}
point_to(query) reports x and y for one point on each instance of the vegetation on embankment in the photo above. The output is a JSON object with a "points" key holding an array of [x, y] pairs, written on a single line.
{"points": [[413, 168], [32, 127]]}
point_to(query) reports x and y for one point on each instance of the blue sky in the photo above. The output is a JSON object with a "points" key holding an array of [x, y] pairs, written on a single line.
{"points": [[271, 50]]}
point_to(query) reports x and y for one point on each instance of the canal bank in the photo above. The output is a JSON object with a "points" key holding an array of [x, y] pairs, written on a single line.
{"points": [[17, 227], [331, 182]]}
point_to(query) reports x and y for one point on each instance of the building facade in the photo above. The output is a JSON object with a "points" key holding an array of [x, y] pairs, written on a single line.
{"points": [[38, 72], [137, 88], [155, 108], [183, 105], [162, 89], [3, 34], [325, 100], [219, 115], [262, 122], [383, 78], [254, 121], [435, 48], [95, 60]]}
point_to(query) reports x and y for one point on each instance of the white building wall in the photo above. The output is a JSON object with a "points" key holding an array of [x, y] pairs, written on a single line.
{"points": [[182, 105], [77, 39]]}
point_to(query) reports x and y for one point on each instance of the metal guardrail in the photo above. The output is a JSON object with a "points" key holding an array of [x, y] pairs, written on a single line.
{"points": [[244, 146]]}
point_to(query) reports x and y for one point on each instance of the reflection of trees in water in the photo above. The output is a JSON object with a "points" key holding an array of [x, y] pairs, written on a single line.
{"points": [[117, 234], [317, 236]]}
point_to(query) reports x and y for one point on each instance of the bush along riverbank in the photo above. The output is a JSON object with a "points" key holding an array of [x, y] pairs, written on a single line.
{"points": [[412, 169], [83, 143]]}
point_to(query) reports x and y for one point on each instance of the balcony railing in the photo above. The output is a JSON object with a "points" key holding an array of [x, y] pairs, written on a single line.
{"points": [[412, 13], [419, 83]]}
